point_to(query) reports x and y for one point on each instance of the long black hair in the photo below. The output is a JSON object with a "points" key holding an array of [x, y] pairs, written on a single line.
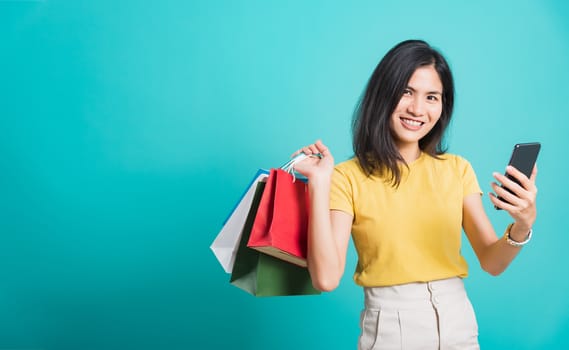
{"points": [[373, 143]]}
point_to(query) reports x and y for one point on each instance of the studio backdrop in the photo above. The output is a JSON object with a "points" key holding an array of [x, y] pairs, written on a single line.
{"points": [[130, 129]]}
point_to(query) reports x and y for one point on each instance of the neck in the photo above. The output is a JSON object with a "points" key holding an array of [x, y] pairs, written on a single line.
{"points": [[410, 154]]}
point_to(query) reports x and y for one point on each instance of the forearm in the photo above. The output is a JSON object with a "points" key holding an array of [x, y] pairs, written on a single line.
{"points": [[324, 262], [520, 204], [498, 256]]}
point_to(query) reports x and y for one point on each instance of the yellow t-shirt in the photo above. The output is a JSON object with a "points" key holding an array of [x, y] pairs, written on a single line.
{"points": [[411, 233]]}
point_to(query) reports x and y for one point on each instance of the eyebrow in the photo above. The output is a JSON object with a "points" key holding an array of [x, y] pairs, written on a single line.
{"points": [[428, 93]]}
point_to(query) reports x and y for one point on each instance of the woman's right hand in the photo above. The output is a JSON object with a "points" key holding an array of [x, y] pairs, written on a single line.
{"points": [[316, 168]]}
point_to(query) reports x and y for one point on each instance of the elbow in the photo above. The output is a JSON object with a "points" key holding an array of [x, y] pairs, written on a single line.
{"points": [[325, 276], [325, 285], [491, 269], [324, 281], [494, 272]]}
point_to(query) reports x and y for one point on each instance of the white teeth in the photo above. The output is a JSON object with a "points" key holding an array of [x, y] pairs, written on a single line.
{"points": [[411, 122]]}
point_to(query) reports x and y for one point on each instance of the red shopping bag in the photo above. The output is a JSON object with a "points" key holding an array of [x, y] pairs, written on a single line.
{"points": [[281, 223]]}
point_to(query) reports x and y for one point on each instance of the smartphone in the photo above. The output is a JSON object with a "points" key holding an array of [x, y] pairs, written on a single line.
{"points": [[523, 158]]}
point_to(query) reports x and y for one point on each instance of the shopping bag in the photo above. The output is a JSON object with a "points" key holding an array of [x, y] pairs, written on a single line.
{"points": [[281, 223], [263, 275], [227, 241]]}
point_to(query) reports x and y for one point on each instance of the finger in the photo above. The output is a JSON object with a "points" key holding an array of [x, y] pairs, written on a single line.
{"points": [[316, 148], [505, 194], [518, 175], [313, 149], [322, 149], [306, 150], [513, 211], [500, 203], [525, 184], [497, 202], [508, 183]]}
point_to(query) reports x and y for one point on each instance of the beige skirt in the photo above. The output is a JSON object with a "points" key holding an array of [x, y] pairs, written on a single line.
{"points": [[433, 315]]}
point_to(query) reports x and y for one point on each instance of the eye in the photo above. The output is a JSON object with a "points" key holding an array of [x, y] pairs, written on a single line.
{"points": [[406, 92], [433, 98]]}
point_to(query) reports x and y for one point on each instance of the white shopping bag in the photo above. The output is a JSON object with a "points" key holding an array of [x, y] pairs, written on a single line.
{"points": [[226, 243]]}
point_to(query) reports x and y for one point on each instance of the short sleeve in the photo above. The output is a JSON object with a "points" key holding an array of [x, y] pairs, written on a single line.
{"points": [[469, 181], [341, 192]]}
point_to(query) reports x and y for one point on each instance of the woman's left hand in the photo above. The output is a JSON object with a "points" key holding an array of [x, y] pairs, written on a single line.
{"points": [[521, 202]]}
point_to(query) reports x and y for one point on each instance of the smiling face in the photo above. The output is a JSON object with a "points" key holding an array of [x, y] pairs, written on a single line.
{"points": [[418, 110]]}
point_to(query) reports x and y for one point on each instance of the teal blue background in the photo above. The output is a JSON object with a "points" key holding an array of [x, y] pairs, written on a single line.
{"points": [[130, 128]]}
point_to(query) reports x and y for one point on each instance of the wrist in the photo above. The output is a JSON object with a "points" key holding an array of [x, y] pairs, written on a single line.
{"points": [[518, 232], [319, 180], [520, 237]]}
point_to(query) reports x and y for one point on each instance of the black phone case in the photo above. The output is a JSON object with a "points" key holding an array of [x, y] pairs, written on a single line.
{"points": [[523, 158]]}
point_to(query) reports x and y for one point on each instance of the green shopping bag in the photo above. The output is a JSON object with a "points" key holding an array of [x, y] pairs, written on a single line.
{"points": [[263, 275]]}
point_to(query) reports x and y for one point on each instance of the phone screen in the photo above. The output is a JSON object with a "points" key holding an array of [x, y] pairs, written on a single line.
{"points": [[523, 158]]}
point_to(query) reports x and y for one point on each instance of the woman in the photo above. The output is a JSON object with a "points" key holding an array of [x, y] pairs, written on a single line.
{"points": [[405, 202]]}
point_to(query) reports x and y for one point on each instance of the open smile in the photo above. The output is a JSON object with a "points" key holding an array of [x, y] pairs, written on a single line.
{"points": [[411, 124]]}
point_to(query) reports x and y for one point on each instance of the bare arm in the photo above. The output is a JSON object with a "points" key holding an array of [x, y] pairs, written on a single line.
{"points": [[328, 230], [494, 253]]}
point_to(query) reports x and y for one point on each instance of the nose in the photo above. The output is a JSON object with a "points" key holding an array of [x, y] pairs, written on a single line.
{"points": [[416, 106]]}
